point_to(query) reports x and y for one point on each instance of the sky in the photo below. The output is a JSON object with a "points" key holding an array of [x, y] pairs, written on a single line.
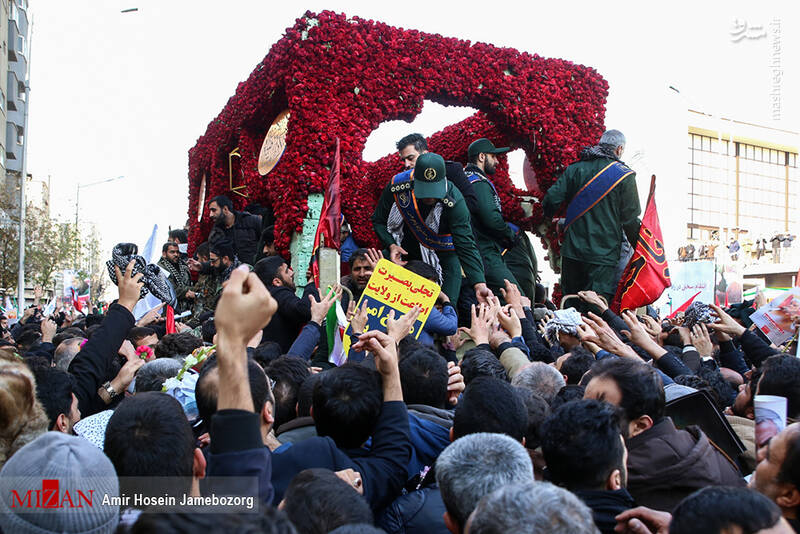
{"points": [[116, 94]]}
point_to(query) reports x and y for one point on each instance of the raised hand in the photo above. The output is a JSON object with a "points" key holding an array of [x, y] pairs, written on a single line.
{"points": [[319, 308], [702, 341], [483, 293], [359, 320], [396, 253], [374, 256], [510, 322], [725, 323], [150, 317], [400, 328], [480, 325], [590, 297], [455, 383], [513, 297], [129, 286], [384, 348], [244, 308]]}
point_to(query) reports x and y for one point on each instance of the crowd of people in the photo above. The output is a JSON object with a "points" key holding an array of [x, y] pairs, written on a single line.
{"points": [[744, 249], [505, 414]]}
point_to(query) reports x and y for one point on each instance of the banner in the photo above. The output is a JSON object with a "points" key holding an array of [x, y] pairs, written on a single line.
{"points": [[776, 319], [729, 286], [647, 273], [691, 280], [394, 288]]}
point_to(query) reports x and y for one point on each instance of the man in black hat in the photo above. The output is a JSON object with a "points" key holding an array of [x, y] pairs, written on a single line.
{"points": [[505, 251], [423, 216]]}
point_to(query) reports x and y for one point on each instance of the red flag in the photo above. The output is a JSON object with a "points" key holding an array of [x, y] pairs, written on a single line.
{"points": [[170, 320], [330, 217], [647, 273]]}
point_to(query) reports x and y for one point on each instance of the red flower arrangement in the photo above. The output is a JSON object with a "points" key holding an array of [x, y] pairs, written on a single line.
{"points": [[342, 77]]}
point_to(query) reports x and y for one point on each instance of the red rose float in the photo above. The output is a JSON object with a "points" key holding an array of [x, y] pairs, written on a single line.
{"points": [[342, 77]]}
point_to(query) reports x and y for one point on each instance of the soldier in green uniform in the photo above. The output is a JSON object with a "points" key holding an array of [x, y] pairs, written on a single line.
{"points": [[421, 215], [497, 240], [602, 203]]}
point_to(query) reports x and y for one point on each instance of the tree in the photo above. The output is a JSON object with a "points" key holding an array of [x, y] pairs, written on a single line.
{"points": [[49, 246]]}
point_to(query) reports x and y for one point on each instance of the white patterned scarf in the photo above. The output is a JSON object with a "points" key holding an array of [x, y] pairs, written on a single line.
{"points": [[395, 227]]}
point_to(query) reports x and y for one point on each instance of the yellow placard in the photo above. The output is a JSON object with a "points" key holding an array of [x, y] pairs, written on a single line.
{"points": [[395, 288]]}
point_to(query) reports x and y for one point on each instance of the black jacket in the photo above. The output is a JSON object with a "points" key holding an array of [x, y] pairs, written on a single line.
{"points": [[383, 470], [293, 312], [243, 235], [93, 365], [606, 505], [416, 512], [455, 173]]}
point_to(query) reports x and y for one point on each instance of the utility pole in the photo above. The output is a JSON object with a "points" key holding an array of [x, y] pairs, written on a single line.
{"points": [[23, 182]]}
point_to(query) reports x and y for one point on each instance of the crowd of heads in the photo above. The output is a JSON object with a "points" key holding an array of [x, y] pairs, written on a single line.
{"points": [[521, 421]]}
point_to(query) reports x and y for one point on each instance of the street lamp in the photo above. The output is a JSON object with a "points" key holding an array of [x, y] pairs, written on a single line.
{"points": [[84, 186]]}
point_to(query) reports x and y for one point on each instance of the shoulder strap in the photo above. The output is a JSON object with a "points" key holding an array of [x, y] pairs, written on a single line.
{"points": [[595, 190]]}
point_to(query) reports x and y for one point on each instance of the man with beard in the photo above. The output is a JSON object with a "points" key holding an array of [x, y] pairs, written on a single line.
{"points": [[223, 261], [494, 236], [239, 228], [412, 146], [293, 311], [602, 203], [423, 216], [179, 276], [361, 268]]}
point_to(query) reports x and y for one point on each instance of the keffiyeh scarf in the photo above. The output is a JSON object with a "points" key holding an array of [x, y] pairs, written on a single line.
{"points": [[696, 313], [154, 281], [565, 321], [602, 150], [395, 227]]}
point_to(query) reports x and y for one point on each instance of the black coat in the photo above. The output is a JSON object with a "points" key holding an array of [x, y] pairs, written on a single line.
{"points": [[94, 364], [293, 312], [243, 235], [606, 505], [383, 469]]}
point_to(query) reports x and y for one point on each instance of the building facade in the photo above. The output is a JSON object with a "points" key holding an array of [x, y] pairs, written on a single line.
{"points": [[15, 39]]}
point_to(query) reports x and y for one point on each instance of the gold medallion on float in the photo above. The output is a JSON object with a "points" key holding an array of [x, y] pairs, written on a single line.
{"points": [[274, 143]]}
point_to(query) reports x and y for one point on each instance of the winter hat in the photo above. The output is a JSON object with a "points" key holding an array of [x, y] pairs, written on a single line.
{"points": [[66, 471]]}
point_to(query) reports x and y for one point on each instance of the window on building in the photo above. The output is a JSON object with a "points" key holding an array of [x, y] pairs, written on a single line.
{"points": [[20, 135], [758, 205]]}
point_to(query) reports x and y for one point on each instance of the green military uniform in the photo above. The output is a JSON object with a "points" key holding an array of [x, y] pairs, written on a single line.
{"points": [[591, 249], [454, 220], [492, 234], [521, 261]]}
